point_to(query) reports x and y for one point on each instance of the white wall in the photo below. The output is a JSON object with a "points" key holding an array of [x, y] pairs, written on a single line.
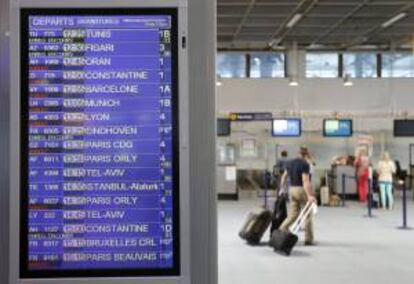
{"points": [[372, 103], [272, 95]]}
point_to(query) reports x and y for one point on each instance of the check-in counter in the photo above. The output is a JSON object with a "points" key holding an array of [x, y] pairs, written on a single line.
{"points": [[226, 181], [350, 183], [226, 172]]}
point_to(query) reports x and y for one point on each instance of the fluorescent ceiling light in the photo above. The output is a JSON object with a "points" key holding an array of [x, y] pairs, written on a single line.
{"points": [[294, 20], [274, 42], [316, 46], [293, 82], [219, 82], [394, 19], [347, 81]]}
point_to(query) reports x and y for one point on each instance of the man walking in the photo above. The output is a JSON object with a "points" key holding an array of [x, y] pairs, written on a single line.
{"points": [[300, 192]]}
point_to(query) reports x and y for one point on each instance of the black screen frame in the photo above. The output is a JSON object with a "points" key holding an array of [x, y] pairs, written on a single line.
{"points": [[228, 122], [24, 272], [395, 128], [287, 136], [351, 133]]}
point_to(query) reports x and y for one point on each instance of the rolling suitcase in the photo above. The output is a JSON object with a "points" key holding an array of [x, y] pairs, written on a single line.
{"points": [[256, 223], [279, 213], [325, 198], [325, 195], [255, 226], [285, 241]]}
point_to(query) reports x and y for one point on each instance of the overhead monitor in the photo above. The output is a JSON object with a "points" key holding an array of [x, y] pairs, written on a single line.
{"points": [[404, 128], [337, 128], [290, 127], [223, 127], [99, 130]]}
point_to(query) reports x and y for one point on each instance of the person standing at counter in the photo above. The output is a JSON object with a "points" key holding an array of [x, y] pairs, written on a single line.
{"points": [[280, 168], [282, 162], [386, 168], [312, 164], [362, 174]]}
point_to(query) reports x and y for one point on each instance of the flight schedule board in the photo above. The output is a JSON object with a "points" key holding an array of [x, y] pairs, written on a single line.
{"points": [[100, 165]]}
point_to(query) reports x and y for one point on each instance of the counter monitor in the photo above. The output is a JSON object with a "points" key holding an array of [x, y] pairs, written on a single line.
{"points": [[337, 128], [291, 127], [223, 127], [404, 128]]}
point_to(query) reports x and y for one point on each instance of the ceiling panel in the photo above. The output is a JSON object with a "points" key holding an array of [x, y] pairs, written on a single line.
{"points": [[331, 10], [256, 30], [226, 30], [229, 2], [248, 38], [318, 21], [279, 2], [342, 2], [228, 21], [339, 23], [378, 11], [232, 10], [256, 21], [273, 10], [391, 2]]}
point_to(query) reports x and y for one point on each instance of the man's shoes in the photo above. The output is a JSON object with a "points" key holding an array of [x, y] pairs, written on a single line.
{"points": [[309, 243]]}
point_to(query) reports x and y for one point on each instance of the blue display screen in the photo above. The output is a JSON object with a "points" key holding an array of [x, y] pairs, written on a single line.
{"points": [[337, 127], [286, 127], [99, 143]]}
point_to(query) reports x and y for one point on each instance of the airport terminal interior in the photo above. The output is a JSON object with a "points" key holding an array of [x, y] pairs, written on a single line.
{"points": [[246, 142], [337, 77]]}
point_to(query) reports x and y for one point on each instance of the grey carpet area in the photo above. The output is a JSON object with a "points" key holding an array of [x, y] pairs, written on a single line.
{"points": [[351, 249]]}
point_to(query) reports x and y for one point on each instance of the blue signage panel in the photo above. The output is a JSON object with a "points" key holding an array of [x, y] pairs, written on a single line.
{"points": [[100, 180]]}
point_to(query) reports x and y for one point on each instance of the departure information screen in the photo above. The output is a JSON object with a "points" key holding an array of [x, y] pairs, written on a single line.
{"points": [[291, 127], [337, 127], [100, 187]]}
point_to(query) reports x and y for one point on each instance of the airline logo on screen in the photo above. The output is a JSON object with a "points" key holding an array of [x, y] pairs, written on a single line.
{"points": [[250, 116], [100, 191]]}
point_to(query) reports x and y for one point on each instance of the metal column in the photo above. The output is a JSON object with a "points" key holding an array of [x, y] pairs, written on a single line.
{"points": [[4, 140]]}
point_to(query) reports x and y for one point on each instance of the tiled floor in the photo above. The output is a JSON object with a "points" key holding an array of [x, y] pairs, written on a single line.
{"points": [[352, 249]]}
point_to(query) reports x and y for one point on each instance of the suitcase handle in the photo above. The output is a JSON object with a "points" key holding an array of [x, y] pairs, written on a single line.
{"points": [[267, 178], [309, 207]]}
